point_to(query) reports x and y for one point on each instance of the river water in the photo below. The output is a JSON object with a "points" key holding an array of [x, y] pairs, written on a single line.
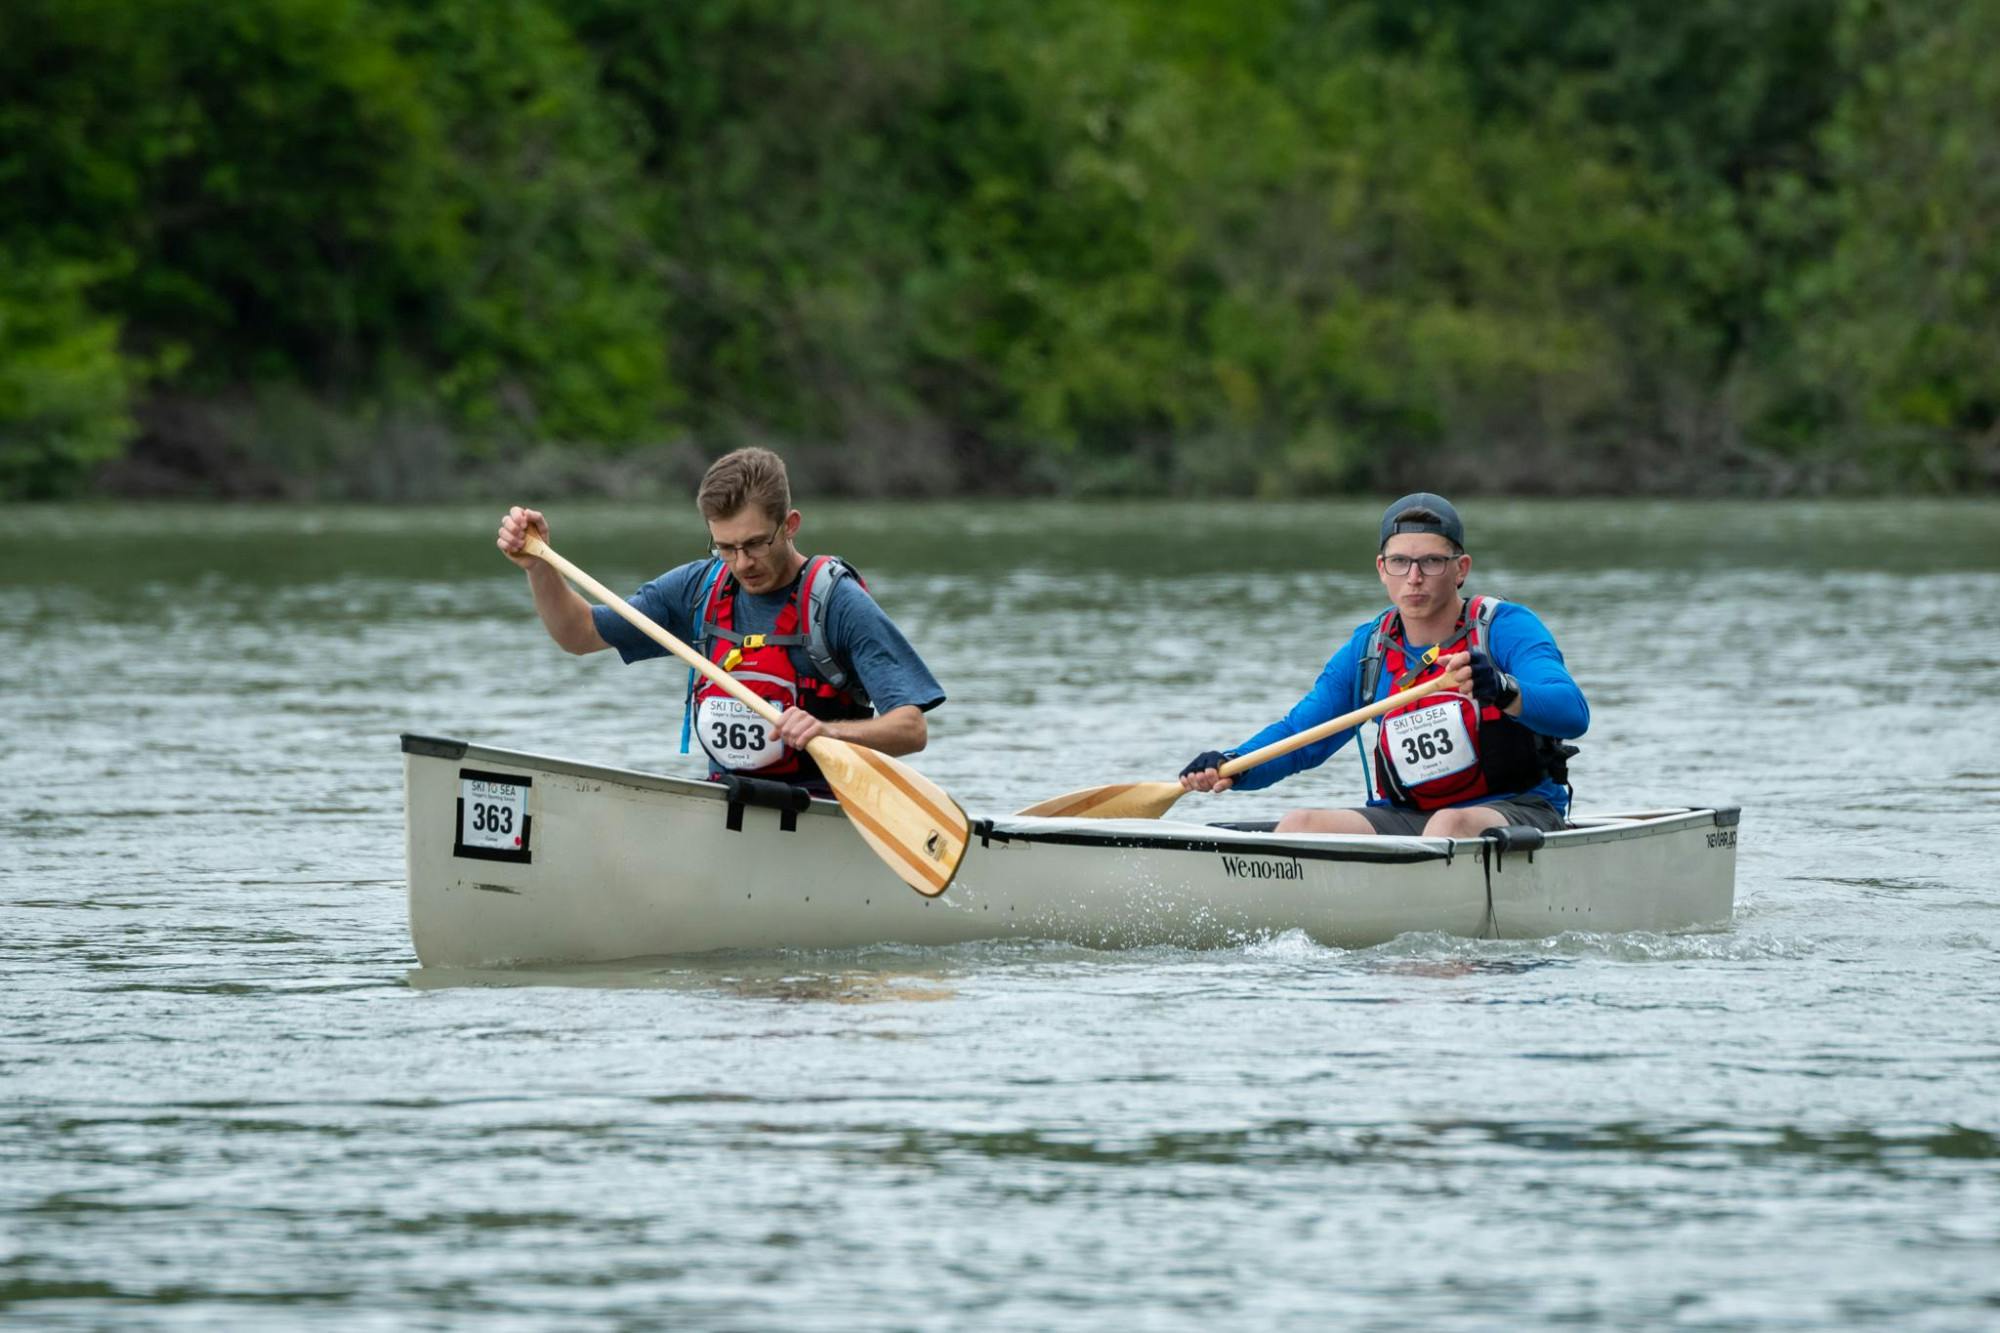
{"points": [[228, 1095]]}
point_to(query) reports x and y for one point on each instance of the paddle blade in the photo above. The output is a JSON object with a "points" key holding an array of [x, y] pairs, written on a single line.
{"points": [[909, 820], [1120, 800]]}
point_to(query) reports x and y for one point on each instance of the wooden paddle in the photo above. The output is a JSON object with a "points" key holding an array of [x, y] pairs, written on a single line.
{"points": [[910, 821], [1150, 800]]}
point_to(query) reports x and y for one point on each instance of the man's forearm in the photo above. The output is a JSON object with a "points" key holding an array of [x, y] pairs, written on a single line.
{"points": [[564, 612], [1554, 707], [899, 731]]}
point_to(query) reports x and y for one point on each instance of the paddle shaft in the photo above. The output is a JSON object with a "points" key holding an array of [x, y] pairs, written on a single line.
{"points": [[535, 546], [1325, 729]]}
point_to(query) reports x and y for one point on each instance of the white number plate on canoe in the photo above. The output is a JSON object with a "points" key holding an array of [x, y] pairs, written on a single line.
{"points": [[493, 820]]}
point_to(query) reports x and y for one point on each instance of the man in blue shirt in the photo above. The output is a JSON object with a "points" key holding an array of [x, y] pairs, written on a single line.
{"points": [[1482, 753], [802, 632]]}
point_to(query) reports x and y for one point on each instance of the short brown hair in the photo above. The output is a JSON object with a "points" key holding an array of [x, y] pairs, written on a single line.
{"points": [[746, 477]]}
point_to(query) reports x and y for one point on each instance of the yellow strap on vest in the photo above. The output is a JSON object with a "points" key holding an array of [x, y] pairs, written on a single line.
{"points": [[735, 655], [1430, 656]]}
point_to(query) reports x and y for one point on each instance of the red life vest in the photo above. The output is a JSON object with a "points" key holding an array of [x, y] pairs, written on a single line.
{"points": [[1446, 748], [792, 666]]}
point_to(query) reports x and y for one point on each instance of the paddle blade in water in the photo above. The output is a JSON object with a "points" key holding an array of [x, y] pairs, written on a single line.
{"points": [[1120, 800], [909, 820]]}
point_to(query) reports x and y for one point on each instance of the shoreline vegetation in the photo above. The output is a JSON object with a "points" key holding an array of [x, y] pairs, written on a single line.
{"points": [[389, 251]]}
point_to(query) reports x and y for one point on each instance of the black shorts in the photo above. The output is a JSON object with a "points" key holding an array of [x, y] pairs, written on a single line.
{"points": [[1530, 810]]}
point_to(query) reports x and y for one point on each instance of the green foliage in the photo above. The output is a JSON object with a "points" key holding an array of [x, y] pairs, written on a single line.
{"points": [[1897, 314], [62, 383], [1252, 246], [371, 203]]}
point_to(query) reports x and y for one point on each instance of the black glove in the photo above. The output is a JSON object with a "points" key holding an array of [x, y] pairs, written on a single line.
{"points": [[1208, 759], [1491, 685]]}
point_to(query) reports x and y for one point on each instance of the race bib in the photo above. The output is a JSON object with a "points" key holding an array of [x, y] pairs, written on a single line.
{"points": [[492, 816], [735, 737], [1429, 742]]}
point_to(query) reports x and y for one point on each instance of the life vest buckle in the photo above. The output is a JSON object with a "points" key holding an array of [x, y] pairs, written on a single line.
{"points": [[751, 642]]}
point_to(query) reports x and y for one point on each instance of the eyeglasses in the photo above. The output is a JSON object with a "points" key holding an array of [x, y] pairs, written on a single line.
{"points": [[753, 548], [1398, 566]]}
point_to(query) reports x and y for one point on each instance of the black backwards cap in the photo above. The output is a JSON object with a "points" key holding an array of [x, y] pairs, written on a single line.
{"points": [[1447, 523]]}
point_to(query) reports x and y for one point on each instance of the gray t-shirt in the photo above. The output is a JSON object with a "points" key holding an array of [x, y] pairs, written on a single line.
{"points": [[863, 639]]}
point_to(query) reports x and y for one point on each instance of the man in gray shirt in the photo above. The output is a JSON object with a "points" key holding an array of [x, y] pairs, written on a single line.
{"points": [[800, 631]]}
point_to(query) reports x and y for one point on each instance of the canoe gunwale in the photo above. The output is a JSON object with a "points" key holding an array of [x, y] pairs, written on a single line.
{"points": [[1157, 835], [1381, 851], [437, 747], [1391, 850]]}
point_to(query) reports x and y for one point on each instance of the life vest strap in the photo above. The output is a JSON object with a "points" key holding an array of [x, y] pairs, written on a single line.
{"points": [[749, 641], [708, 581]]}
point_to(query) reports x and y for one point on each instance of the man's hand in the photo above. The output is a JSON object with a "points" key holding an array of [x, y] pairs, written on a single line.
{"points": [[566, 616], [798, 728], [1200, 774], [1491, 685], [516, 526], [1459, 667]]}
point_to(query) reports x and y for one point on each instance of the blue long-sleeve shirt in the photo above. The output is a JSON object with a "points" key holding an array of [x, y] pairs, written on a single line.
{"points": [[1521, 645]]}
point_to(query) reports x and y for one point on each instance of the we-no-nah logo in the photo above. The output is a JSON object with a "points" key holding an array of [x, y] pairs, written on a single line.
{"points": [[1247, 867]]}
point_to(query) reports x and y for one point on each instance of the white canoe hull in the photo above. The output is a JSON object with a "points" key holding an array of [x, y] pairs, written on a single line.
{"points": [[621, 864]]}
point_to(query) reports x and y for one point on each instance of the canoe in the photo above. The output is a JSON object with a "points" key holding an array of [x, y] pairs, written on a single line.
{"points": [[520, 858]]}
